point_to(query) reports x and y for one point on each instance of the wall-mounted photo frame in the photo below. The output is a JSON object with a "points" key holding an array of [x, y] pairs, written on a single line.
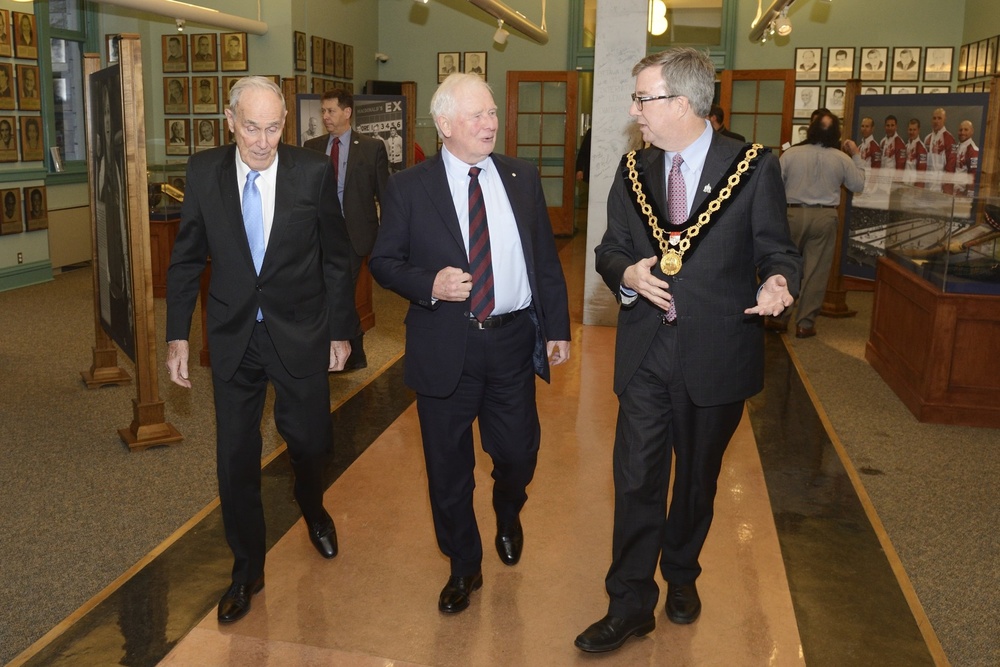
{"points": [[5, 45], [906, 63], [328, 57], [317, 55], [36, 207], [175, 95], [963, 63], [32, 147], [178, 133], [935, 90], [25, 37], [448, 62], [839, 63], [8, 139], [872, 90], [309, 117], [348, 61], [806, 101], [338, 60], [474, 62], [834, 99], [316, 86], [938, 63], [111, 43], [800, 132], [205, 94], [204, 53], [973, 58], [993, 50], [301, 83], [874, 63], [173, 49], [10, 212], [902, 90], [807, 64], [234, 51], [299, 53], [28, 94], [987, 56], [6, 86], [981, 56], [206, 133]]}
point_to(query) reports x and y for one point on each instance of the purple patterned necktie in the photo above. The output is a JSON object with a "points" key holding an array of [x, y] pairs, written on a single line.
{"points": [[677, 205], [480, 257]]}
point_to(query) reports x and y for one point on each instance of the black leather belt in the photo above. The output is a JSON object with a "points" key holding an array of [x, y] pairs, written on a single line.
{"points": [[495, 321], [810, 206]]}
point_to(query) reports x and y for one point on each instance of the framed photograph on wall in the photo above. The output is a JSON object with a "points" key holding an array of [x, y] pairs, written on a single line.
{"points": [[175, 94], [227, 84], [5, 46], [173, 48], [906, 63], [806, 101], [873, 63], [309, 117], [6, 86], [178, 132], [934, 90], [111, 43], [474, 62], [807, 64], [206, 133], [938, 62], [338, 60], [348, 61], [31, 139], [448, 62], [8, 139], [963, 64], [991, 59], [36, 207], [839, 63], [800, 132], [300, 51], [25, 37], [204, 55], [902, 90], [317, 55], [205, 94], [834, 100], [316, 86], [27, 88], [981, 57], [10, 212], [973, 58], [328, 57], [301, 83], [872, 90], [234, 51]]}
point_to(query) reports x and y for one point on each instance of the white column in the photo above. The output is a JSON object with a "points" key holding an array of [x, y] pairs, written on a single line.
{"points": [[621, 43]]}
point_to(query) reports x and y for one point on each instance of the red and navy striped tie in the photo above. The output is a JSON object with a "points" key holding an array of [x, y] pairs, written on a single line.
{"points": [[480, 258]]}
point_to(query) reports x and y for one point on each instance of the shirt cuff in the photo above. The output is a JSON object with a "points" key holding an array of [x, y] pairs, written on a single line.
{"points": [[628, 296]]}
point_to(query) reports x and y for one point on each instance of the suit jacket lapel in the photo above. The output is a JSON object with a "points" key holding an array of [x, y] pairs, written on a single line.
{"points": [[435, 180], [720, 156], [232, 207], [284, 186], [522, 209]]}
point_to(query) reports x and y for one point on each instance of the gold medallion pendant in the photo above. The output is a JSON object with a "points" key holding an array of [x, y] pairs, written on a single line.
{"points": [[670, 263]]}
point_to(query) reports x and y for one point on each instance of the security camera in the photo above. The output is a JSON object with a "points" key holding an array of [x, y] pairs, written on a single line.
{"points": [[381, 57]]}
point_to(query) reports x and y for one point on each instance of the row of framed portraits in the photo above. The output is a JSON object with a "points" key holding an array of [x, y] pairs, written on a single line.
{"points": [[25, 40], [470, 62], [185, 136], [329, 58], [977, 59], [22, 92], [873, 63], [807, 98], [21, 139], [32, 216], [202, 53], [318, 85], [200, 94]]}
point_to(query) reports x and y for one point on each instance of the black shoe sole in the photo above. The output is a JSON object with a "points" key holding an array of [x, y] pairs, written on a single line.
{"points": [[683, 620], [640, 631]]}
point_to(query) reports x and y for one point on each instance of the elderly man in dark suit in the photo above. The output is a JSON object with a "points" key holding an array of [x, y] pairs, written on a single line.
{"points": [[690, 347], [466, 238], [361, 167], [280, 309]]}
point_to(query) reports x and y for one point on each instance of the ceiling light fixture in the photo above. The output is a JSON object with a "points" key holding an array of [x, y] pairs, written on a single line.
{"points": [[501, 35], [202, 15], [657, 23], [764, 24], [782, 25], [180, 25], [514, 19]]}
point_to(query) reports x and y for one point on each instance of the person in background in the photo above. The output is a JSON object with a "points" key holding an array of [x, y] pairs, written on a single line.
{"points": [[583, 158], [892, 146], [871, 152], [717, 118]]}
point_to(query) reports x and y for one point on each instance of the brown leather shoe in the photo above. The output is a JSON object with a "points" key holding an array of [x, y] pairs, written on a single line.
{"points": [[776, 325], [805, 332]]}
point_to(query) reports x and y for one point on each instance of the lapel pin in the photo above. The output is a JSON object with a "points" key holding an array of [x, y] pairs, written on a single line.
{"points": [[707, 188]]}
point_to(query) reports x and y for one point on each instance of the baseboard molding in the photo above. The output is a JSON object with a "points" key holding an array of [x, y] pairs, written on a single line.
{"points": [[22, 275]]}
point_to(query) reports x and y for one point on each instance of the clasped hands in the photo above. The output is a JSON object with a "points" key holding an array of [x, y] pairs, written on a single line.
{"points": [[772, 298]]}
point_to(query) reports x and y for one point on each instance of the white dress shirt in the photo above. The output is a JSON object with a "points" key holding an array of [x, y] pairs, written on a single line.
{"points": [[265, 184]]}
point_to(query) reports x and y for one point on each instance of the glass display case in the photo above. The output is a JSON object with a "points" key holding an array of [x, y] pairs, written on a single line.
{"points": [[166, 190], [951, 241]]}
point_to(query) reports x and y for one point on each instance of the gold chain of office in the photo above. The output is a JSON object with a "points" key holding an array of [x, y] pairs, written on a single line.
{"points": [[671, 259]]}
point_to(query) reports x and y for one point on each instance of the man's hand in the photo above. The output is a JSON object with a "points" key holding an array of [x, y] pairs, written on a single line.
{"points": [[340, 350], [773, 298], [452, 284], [850, 148], [557, 351], [639, 278], [177, 362]]}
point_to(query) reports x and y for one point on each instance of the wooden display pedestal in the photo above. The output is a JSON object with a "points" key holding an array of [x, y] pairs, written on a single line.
{"points": [[148, 427], [939, 352], [105, 369]]}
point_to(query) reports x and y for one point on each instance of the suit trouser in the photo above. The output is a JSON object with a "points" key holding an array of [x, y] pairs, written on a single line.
{"points": [[656, 417], [302, 416], [814, 232], [498, 387], [357, 342]]}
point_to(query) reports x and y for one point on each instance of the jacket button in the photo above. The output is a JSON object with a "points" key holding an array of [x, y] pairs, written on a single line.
{"points": [[258, 287]]}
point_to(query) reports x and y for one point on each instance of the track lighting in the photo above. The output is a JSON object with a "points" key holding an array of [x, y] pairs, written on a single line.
{"points": [[180, 25], [782, 25], [501, 35]]}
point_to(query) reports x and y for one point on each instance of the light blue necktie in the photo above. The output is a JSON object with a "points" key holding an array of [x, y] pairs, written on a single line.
{"points": [[253, 222]]}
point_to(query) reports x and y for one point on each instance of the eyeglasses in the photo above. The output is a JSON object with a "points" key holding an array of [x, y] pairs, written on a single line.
{"points": [[639, 100]]}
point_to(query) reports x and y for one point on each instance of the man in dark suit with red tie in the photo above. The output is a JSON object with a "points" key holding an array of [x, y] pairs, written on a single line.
{"points": [[466, 238], [361, 167], [690, 344], [280, 310]]}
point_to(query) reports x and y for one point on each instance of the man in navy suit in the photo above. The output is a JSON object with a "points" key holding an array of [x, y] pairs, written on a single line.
{"points": [[280, 309], [690, 343], [466, 238], [362, 171]]}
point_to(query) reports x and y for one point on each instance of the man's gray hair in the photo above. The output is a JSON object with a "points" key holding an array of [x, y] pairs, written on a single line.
{"points": [[686, 72], [445, 98], [258, 82]]}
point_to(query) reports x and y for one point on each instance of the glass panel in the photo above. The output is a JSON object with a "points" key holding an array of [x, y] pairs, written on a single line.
{"points": [[529, 96], [551, 154], [554, 96], [768, 131], [529, 153], [744, 96], [65, 14], [771, 96], [528, 128], [742, 124], [589, 23], [67, 94], [682, 22], [552, 188], [553, 129]]}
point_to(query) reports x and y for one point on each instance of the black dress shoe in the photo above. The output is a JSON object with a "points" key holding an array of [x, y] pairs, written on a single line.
{"points": [[611, 632], [455, 594], [683, 603], [510, 541], [356, 362], [323, 535], [235, 604]]}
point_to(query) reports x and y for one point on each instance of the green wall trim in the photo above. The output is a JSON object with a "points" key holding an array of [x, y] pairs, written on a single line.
{"points": [[22, 275], [38, 174], [75, 173]]}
